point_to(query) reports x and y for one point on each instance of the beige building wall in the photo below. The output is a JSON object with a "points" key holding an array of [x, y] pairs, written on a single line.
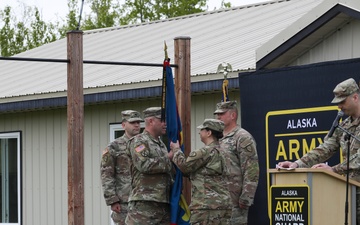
{"points": [[44, 155], [343, 44]]}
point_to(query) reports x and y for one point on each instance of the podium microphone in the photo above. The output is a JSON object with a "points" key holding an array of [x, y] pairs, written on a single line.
{"points": [[335, 123]]}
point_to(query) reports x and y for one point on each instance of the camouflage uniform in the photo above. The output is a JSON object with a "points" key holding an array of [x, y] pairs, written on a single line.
{"points": [[210, 201], [242, 167], [115, 173], [151, 172], [332, 144]]}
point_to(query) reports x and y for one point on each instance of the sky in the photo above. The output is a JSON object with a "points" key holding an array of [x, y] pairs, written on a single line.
{"points": [[56, 10]]}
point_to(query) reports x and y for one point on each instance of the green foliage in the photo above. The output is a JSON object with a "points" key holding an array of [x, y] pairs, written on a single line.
{"points": [[104, 15], [40, 32], [137, 11], [175, 8], [140, 11], [72, 20], [6, 33], [30, 32]]}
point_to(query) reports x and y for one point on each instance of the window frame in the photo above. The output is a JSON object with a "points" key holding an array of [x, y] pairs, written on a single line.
{"points": [[18, 136], [114, 127]]}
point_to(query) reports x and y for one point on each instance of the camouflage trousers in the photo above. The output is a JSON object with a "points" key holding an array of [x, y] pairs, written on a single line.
{"points": [[239, 216], [119, 218], [210, 217], [148, 212]]}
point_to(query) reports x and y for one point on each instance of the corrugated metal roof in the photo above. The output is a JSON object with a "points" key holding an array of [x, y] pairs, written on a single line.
{"points": [[230, 35]]}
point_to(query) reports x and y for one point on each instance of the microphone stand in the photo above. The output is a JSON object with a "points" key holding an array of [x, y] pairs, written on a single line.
{"points": [[347, 139]]}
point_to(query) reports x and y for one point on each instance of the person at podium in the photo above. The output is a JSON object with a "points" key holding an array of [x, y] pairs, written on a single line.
{"points": [[347, 97]]}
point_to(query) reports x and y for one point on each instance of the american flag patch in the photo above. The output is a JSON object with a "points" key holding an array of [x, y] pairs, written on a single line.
{"points": [[140, 148]]}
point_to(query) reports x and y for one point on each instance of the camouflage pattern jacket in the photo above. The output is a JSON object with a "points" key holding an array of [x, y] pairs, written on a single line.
{"points": [[151, 169], [205, 167], [115, 172], [242, 165], [331, 145]]}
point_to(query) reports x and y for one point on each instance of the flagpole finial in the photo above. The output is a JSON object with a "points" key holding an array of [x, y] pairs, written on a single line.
{"points": [[224, 68], [165, 50]]}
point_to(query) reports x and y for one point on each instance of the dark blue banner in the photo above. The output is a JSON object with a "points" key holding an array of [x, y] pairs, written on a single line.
{"points": [[289, 111]]}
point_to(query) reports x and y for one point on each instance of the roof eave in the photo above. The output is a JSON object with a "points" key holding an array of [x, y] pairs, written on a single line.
{"points": [[199, 84]]}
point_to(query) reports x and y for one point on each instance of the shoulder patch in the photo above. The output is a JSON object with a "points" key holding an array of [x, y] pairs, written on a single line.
{"points": [[145, 153], [105, 156], [106, 150], [140, 148], [192, 154]]}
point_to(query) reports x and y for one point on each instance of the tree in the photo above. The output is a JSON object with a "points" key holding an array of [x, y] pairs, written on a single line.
{"points": [[40, 32], [71, 22], [19, 36], [175, 8], [140, 11], [6, 33], [104, 15]]}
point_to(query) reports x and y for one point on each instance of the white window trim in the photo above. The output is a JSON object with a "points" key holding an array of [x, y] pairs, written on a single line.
{"points": [[16, 135], [113, 128], [117, 127]]}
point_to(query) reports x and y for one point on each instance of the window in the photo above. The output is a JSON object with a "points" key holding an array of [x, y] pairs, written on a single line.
{"points": [[10, 178], [116, 130]]}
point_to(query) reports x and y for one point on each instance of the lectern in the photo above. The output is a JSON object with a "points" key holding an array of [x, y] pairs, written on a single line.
{"points": [[310, 197]]}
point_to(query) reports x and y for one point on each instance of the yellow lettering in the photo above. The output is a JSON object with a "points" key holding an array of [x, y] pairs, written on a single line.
{"points": [[306, 147], [294, 147], [293, 206], [278, 207], [320, 140], [300, 206], [281, 151], [286, 206], [289, 206]]}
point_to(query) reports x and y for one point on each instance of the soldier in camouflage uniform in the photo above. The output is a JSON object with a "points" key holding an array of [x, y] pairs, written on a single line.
{"points": [[115, 164], [151, 173], [347, 97], [210, 201], [241, 159]]}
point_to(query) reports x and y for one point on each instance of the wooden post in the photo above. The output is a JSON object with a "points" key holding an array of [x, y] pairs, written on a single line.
{"points": [[75, 121], [183, 96]]}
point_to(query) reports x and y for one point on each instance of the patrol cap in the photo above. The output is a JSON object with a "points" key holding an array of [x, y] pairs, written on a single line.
{"points": [[222, 107], [131, 116], [212, 124], [152, 111], [344, 89]]}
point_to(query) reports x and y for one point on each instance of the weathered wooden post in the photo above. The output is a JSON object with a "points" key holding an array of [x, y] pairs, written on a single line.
{"points": [[75, 121], [183, 96]]}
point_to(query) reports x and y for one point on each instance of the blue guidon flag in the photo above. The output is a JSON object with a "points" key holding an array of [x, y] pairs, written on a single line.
{"points": [[180, 214]]}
